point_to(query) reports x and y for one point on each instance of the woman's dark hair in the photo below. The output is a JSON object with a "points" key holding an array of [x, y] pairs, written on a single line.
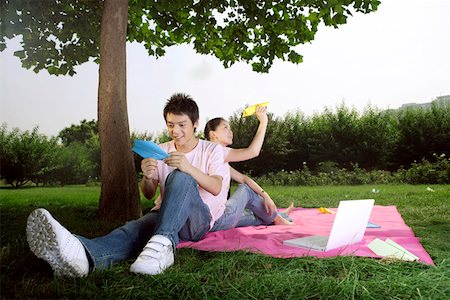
{"points": [[180, 104], [212, 126]]}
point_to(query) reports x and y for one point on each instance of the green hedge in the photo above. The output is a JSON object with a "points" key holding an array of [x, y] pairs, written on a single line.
{"points": [[338, 146], [374, 139], [425, 172]]}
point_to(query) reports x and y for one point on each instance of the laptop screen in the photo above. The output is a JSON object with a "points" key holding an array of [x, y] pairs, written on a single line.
{"points": [[350, 223]]}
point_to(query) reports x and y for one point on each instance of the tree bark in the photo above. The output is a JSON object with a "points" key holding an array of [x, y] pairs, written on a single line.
{"points": [[119, 198]]}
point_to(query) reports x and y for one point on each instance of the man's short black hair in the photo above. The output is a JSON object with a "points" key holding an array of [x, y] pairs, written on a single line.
{"points": [[180, 104]]}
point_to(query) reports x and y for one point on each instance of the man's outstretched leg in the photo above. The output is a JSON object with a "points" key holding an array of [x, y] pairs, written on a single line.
{"points": [[73, 255], [50, 241], [183, 215]]}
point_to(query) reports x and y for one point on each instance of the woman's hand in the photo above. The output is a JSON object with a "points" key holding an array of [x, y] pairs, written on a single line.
{"points": [[261, 114], [269, 204]]}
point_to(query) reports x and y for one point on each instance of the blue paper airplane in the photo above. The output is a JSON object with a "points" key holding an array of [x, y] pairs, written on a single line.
{"points": [[148, 149]]}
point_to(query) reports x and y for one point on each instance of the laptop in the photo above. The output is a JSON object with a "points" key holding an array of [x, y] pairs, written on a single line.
{"points": [[348, 228]]}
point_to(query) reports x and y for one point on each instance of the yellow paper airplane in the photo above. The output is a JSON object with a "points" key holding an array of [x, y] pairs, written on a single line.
{"points": [[252, 109], [324, 210]]}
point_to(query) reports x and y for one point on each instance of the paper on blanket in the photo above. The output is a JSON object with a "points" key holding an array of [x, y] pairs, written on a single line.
{"points": [[148, 149], [252, 109], [391, 249], [373, 225], [394, 244]]}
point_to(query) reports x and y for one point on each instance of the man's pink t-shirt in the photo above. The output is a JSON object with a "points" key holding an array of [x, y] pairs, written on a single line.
{"points": [[208, 158]]}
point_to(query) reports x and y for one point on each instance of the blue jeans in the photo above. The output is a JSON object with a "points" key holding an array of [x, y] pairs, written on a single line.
{"points": [[244, 208], [183, 215], [248, 218]]}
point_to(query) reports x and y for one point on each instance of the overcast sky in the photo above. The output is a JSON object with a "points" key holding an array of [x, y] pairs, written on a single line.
{"points": [[399, 54]]}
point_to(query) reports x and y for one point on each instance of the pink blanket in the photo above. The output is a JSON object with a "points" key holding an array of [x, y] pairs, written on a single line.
{"points": [[269, 239]]}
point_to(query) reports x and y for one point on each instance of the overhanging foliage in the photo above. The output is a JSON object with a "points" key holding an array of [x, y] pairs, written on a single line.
{"points": [[59, 35]]}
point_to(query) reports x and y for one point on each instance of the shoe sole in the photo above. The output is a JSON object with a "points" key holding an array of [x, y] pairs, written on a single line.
{"points": [[44, 244], [145, 271]]}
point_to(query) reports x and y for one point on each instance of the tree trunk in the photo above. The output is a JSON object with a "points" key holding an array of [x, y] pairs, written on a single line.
{"points": [[119, 198]]}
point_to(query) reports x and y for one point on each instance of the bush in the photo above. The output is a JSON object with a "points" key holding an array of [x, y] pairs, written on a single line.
{"points": [[26, 156], [419, 173], [426, 172]]}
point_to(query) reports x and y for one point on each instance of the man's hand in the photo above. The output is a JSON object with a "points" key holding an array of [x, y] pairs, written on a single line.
{"points": [[148, 167], [178, 160]]}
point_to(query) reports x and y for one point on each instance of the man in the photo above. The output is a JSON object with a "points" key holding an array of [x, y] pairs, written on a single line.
{"points": [[193, 182]]}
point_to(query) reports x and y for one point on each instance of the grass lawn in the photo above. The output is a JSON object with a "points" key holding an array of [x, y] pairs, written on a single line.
{"points": [[235, 275]]}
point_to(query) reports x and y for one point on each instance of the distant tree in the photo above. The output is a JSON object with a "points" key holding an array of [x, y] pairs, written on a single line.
{"points": [[59, 35], [25, 156], [334, 136], [297, 131], [74, 165], [85, 134], [346, 137], [378, 138], [93, 146], [79, 133], [423, 132]]}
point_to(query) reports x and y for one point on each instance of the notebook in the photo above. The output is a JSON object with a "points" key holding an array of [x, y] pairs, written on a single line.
{"points": [[348, 227]]}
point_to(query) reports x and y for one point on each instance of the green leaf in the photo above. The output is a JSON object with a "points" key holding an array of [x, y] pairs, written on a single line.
{"points": [[52, 70], [20, 54], [295, 57], [160, 52], [257, 66]]}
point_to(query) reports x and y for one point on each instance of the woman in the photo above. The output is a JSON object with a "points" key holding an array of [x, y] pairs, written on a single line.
{"points": [[248, 194]]}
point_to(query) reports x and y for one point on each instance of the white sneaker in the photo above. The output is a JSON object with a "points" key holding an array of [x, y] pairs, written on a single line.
{"points": [[155, 258], [52, 242]]}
